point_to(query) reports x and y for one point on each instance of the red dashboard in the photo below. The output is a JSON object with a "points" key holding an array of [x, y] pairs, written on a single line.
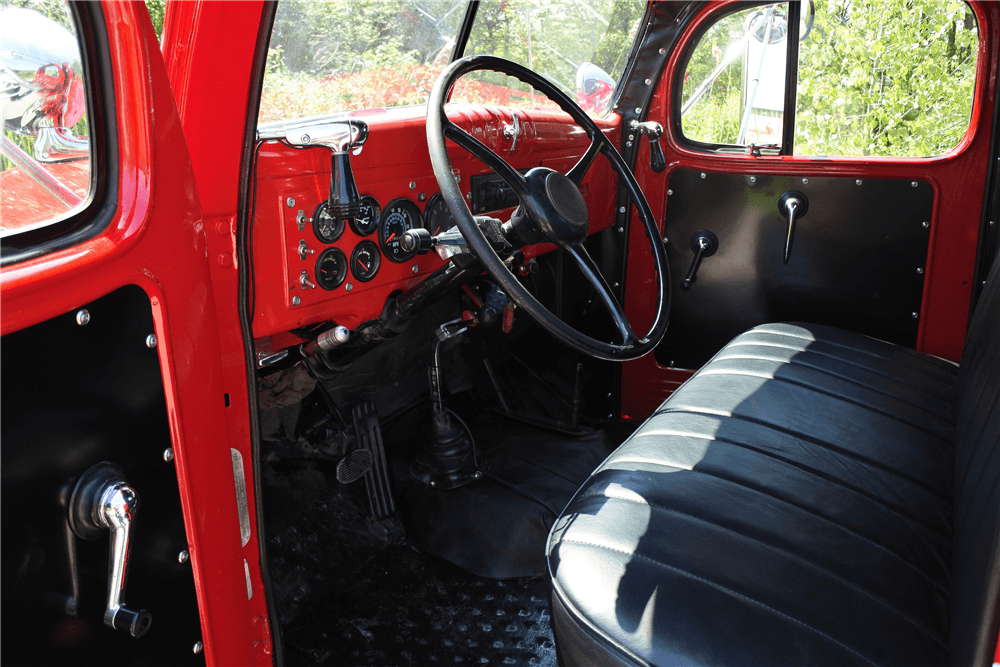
{"points": [[393, 165]]}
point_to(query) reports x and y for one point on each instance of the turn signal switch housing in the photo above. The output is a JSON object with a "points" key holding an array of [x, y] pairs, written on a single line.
{"points": [[101, 502]]}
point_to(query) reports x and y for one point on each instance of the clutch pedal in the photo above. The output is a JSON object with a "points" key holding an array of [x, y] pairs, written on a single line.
{"points": [[377, 482]]}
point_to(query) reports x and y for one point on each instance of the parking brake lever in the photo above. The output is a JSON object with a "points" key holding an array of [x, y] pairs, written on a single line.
{"points": [[103, 501], [704, 244], [657, 162]]}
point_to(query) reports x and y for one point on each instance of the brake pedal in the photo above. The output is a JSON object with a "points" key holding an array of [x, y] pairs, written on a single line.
{"points": [[354, 466], [377, 483]]}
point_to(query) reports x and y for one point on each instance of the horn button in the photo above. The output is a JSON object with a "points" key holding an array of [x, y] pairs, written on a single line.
{"points": [[555, 207]]}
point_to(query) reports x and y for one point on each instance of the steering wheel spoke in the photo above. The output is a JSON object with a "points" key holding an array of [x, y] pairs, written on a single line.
{"points": [[511, 176], [593, 274], [581, 168]]}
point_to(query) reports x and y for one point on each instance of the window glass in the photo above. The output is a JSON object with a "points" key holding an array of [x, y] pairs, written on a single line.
{"points": [[45, 156], [347, 55], [582, 47], [734, 85], [886, 78]]}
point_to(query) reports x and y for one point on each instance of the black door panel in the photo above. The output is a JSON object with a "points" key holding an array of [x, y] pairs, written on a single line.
{"points": [[74, 396], [856, 261]]}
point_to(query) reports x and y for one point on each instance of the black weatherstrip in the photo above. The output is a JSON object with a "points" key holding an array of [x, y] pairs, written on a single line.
{"points": [[791, 77], [243, 249]]}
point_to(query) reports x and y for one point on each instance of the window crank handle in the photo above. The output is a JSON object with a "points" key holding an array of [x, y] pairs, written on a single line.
{"points": [[704, 244], [792, 205]]}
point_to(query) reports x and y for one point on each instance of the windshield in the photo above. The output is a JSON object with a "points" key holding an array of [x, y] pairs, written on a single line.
{"points": [[352, 55]]}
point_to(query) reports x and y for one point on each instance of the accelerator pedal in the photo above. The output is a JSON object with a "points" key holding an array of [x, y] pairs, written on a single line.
{"points": [[369, 436], [353, 467]]}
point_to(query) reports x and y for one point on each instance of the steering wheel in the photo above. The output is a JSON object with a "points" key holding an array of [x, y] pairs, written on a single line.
{"points": [[551, 209]]}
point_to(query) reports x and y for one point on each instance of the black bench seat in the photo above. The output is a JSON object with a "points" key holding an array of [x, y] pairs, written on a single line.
{"points": [[809, 497]]}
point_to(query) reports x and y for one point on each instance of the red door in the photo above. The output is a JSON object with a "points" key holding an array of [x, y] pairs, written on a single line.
{"points": [[111, 352]]}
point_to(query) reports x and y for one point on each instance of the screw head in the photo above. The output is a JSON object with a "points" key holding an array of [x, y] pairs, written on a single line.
{"points": [[925, 224], [920, 270], [290, 202], [83, 317], [168, 455], [628, 144], [621, 209], [669, 192], [349, 286], [306, 138], [662, 51], [704, 175], [805, 181], [183, 556], [914, 314], [913, 184], [413, 185], [296, 300], [468, 196], [616, 285], [621, 230], [638, 109], [415, 269], [198, 647], [857, 182], [151, 341], [422, 196], [753, 179]]}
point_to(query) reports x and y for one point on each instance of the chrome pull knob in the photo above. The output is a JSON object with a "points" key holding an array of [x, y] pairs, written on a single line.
{"points": [[792, 205], [103, 501]]}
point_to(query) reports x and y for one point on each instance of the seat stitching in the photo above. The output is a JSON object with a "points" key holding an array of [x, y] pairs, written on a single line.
{"points": [[808, 563], [724, 589], [798, 360], [859, 350], [901, 511], [810, 512], [806, 350], [816, 441], [845, 399]]}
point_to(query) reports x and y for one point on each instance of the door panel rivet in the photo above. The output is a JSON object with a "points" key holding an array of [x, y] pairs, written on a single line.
{"points": [[621, 209], [183, 556], [198, 647], [151, 341], [914, 314], [913, 184], [805, 181], [857, 182], [703, 175], [168, 455], [413, 185], [83, 317], [669, 192], [415, 269], [920, 270], [925, 223], [753, 179]]}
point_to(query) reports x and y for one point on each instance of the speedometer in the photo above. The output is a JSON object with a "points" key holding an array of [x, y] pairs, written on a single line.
{"points": [[399, 216]]}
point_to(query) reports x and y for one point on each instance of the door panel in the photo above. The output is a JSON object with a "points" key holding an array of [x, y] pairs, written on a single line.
{"points": [[856, 260]]}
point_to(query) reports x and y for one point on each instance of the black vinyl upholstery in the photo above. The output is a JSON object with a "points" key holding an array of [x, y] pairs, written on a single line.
{"points": [[809, 497]]}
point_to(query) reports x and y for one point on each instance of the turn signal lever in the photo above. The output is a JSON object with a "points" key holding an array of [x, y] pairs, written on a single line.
{"points": [[652, 130], [103, 501]]}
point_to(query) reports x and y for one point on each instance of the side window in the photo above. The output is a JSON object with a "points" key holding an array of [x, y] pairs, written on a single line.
{"points": [[734, 86], [874, 79], [45, 154], [580, 46]]}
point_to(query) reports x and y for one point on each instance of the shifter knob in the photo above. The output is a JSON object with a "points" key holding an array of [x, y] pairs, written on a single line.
{"points": [[103, 501]]}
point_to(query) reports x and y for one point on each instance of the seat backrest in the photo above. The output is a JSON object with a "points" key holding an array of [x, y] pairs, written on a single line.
{"points": [[976, 545]]}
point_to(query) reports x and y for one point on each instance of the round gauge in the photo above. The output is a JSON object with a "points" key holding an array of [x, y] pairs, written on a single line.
{"points": [[400, 216], [326, 227], [365, 261], [366, 221], [437, 216], [331, 268]]}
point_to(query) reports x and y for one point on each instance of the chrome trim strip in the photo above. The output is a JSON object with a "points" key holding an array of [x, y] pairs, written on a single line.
{"points": [[241, 496]]}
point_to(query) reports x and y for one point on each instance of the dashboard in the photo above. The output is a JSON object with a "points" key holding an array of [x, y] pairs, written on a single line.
{"points": [[309, 267]]}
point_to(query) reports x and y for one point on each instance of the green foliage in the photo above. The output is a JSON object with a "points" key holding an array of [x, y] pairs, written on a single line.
{"points": [[156, 9], [875, 78]]}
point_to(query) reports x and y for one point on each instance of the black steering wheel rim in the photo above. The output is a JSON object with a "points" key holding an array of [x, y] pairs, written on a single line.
{"points": [[440, 128]]}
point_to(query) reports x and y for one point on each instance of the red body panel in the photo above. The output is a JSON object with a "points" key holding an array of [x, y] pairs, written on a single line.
{"points": [[958, 180]]}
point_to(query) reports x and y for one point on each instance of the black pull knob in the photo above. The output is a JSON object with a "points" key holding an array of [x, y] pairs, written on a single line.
{"points": [[704, 244], [416, 240], [653, 130], [345, 200]]}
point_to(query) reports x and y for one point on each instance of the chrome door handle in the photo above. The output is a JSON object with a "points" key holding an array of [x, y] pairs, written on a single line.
{"points": [[103, 501]]}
